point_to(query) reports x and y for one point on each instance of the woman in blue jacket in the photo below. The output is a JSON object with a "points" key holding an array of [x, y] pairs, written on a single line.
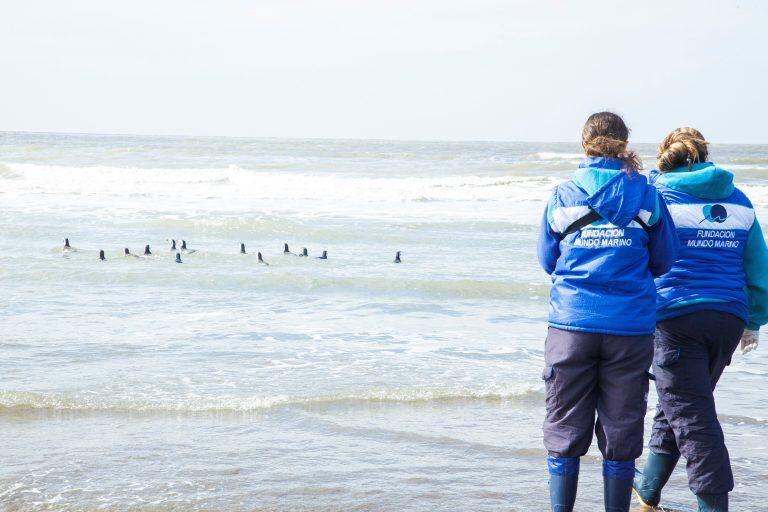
{"points": [[604, 236], [716, 288]]}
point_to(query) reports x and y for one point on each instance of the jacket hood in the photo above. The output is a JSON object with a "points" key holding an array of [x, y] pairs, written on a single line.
{"points": [[705, 180], [614, 194]]}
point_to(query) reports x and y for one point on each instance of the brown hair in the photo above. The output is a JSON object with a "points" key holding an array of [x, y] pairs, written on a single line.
{"points": [[684, 146], [606, 135]]}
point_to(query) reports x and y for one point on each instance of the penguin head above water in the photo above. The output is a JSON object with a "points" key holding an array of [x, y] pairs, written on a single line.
{"points": [[261, 259], [147, 252], [66, 243], [397, 257], [183, 244], [304, 253], [101, 255], [324, 256], [173, 245], [178, 257], [127, 252], [242, 248], [286, 250]]}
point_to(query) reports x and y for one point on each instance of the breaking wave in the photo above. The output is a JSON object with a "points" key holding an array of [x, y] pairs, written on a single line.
{"points": [[236, 183], [20, 401], [551, 155]]}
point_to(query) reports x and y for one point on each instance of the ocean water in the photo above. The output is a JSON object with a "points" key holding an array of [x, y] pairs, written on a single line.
{"points": [[350, 383]]}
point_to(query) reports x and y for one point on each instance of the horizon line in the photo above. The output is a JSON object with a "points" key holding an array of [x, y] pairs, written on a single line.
{"points": [[360, 139]]}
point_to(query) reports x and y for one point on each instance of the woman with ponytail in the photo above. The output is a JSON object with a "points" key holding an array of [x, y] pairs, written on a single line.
{"points": [[716, 288], [605, 235]]}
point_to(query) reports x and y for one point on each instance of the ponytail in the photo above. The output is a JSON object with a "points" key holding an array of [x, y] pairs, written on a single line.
{"points": [[606, 135]]}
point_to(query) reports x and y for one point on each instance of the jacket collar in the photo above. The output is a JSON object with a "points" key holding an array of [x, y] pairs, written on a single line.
{"points": [[614, 194], [704, 180], [602, 162]]}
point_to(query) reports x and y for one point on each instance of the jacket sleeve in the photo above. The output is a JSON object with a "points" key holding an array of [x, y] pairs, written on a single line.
{"points": [[549, 241], [663, 242], [756, 270]]}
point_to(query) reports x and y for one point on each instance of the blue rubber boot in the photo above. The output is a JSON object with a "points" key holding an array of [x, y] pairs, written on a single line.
{"points": [[649, 482], [617, 484], [713, 502], [563, 482]]}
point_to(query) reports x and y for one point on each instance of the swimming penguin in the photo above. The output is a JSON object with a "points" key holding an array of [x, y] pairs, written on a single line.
{"points": [[147, 252], [261, 260], [178, 257], [397, 257], [101, 256], [324, 256], [66, 247], [304, 253], [286, 250], [184, 248], [127, 253], [173, 245], [242, 248]]}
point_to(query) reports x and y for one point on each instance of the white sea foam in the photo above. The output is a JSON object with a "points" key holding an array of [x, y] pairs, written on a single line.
{"points": [[235, 183], [758, 194], [150, 192], [19, 401], [551, 155]]}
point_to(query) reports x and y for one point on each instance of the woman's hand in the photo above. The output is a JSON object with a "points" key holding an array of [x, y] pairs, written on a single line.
{"points": [[749, 340]]}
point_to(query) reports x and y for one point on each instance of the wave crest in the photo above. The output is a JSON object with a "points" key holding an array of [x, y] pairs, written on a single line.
{"points": [[21, 401], [552, 155], [236, 183]]}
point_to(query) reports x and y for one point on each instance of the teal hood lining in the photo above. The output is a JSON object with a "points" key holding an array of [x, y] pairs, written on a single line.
{"points": [[614, 194], [592, 179], [704, 180]]}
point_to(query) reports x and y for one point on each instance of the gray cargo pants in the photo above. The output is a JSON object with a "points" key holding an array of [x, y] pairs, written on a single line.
{"points": [[586, 373]]}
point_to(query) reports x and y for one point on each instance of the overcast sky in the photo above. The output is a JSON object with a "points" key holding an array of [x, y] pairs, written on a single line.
{"points": [[393, 69]]}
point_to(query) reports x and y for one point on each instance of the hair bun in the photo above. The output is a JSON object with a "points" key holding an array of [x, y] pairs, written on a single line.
{"points": [[684, 146]]}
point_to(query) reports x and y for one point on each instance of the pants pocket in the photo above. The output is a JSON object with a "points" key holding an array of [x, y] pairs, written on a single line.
{"points": [[548, 376]]}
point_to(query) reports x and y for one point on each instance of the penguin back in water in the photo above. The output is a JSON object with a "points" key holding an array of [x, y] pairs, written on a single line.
{"points": [[397, 257], [101, 255], [261, 260], [304, 253], [147, 252], [178, 257], [324, 256], [66, 247], [242, 248]]}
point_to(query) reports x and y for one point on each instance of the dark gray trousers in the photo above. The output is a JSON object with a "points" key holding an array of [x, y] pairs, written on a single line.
{"points": [[586, 373], [691, 352]]}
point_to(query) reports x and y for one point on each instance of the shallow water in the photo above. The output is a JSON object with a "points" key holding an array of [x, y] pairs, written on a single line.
{"points": [[343, 384]]}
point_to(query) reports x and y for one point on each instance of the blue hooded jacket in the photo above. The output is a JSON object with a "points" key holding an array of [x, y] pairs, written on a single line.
{"points": [[603, 274], [723, 261]]}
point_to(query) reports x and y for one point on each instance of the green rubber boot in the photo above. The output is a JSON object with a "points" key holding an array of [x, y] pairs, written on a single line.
{"points": [[649, 482], [713, 502]]}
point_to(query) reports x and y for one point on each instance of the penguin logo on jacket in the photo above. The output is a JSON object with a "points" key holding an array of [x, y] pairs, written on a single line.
{"points": [[715, 213]]}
